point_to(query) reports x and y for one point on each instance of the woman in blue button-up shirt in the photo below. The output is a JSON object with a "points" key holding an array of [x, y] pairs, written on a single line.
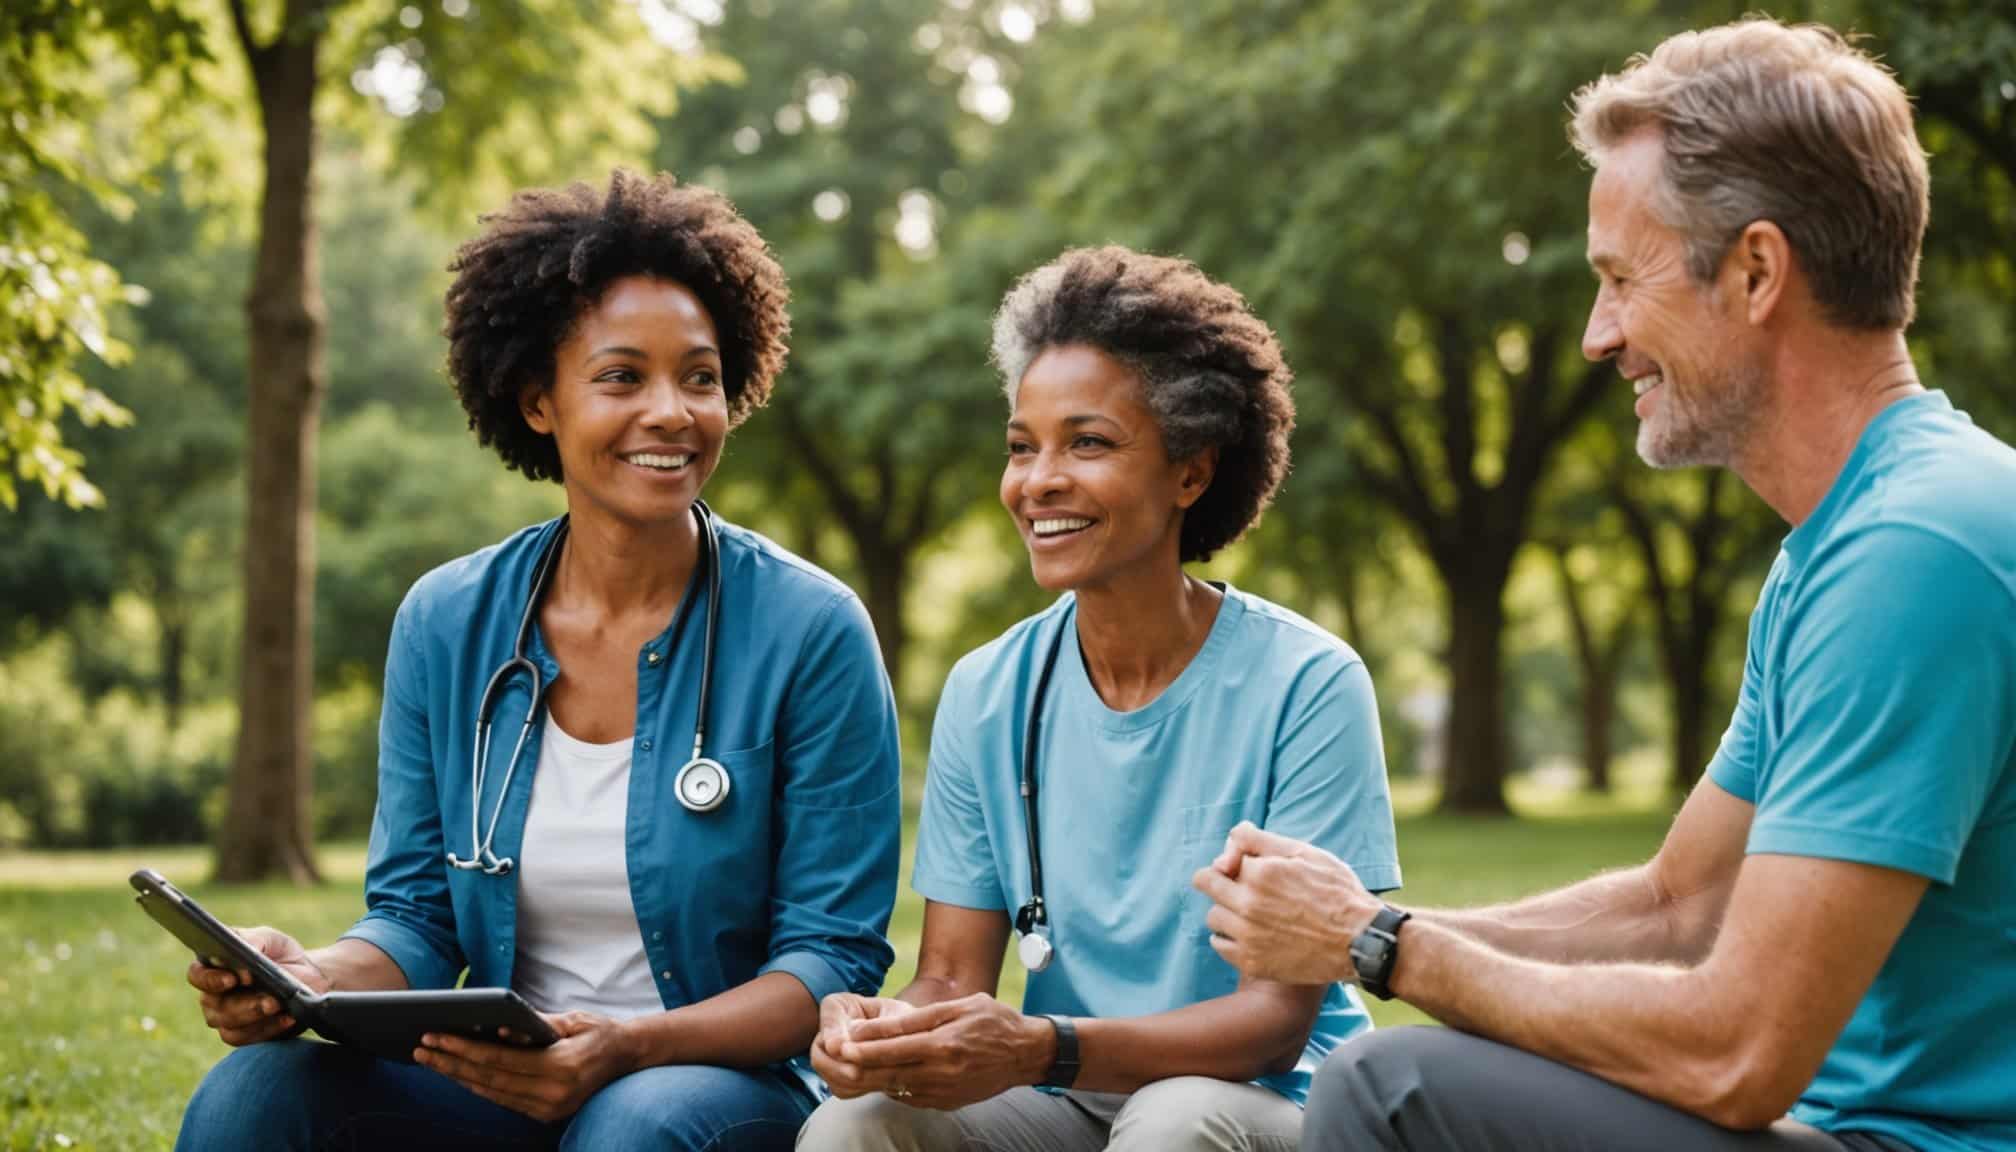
{"points": [[609, 341]]}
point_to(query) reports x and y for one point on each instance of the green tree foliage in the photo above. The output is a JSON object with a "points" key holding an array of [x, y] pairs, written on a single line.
{"points": [[1389, 185], [1409, 217], [460, 85], [62, 64], [849, 148], [853, 146], [1959, 62]]}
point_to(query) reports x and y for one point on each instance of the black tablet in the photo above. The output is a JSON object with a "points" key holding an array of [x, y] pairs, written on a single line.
{"points": [[386, 1024], [389, 1025], [215, 945]]}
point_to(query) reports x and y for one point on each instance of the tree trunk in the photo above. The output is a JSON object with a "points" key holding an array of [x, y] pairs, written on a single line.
{"points": [[266, 830], [174, 646], [886, 570], [806, 523], [1475, 754], [1474, 541], [1598, 656], [1689, 679], [1350, 594], [1599, 711], [1719, 544]]}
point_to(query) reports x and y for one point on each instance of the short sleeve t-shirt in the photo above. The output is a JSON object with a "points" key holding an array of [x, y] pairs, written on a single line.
{"points": [[1877, 724], [1273, 721]]}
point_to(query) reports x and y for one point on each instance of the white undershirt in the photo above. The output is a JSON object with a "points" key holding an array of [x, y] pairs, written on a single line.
{"points": [[579, 947]]}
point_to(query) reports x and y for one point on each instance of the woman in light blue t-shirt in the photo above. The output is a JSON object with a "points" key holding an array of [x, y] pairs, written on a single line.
{"points": [[1152, 711]]}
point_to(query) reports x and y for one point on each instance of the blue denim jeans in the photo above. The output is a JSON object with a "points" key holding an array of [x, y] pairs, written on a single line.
{"points": [[306, 1096]]}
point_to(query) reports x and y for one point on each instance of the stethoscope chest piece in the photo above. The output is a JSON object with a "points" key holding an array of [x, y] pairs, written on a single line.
{"points": [[702, 785], [1035, 951]]}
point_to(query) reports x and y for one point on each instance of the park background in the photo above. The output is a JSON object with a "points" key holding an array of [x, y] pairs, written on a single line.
{"points": [[226, 442]]}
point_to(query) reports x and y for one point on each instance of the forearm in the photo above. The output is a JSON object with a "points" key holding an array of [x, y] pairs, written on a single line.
{"points": [[771, 1018], [354, 965], [1658, 1030], [1618, 916], [925, 990], [1254, 1032]]}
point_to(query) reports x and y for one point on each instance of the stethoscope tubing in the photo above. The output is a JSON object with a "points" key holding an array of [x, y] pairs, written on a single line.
{"points": [[1033, 918], [484, 858]]}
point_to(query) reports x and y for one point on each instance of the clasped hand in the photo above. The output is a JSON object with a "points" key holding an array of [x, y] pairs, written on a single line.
{"points": [[945, 1055], [1285, 910]]}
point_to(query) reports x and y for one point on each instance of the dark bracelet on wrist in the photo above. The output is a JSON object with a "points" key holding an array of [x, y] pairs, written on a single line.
{"points": [[1064, 1069]]}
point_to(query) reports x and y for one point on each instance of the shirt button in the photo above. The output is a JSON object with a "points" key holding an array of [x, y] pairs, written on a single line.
{"points": [[657, 935], [644, 745], [651, 657], [666, 974]]}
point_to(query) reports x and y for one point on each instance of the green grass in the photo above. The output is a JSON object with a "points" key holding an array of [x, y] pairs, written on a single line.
{"points": [[101, 1042]]}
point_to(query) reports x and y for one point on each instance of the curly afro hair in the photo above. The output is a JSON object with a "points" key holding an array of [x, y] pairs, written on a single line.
{"points": [[1213, 372], [521, 285]]}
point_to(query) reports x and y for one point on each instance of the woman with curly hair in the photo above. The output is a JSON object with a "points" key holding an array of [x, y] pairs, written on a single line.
{"points": [[1087, 762], [680, 830]]}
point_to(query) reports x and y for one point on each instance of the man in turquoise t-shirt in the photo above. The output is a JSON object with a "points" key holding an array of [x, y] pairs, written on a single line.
{"points": [[1823, 953]]}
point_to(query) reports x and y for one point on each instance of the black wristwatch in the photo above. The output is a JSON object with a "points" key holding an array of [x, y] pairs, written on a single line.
{"points": [[1374, 951], [1064, 1069]]}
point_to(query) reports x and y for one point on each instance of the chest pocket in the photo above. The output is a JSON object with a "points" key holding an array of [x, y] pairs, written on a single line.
{"points": [[1205, 827], [714, 867]]}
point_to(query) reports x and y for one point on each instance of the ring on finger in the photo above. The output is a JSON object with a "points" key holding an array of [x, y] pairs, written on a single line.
{"points": [[899, 1091]]}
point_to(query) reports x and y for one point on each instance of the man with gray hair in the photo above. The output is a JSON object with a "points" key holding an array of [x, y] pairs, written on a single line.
{"points": [[1830, 926]]}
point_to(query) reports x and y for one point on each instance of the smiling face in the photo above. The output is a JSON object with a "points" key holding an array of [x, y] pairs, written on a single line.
{"points": [[1092, 489], [637, 406], [1693, 361]]}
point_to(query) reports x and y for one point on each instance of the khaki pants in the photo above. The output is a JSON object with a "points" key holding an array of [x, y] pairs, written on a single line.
{"points": [[1184, 1114]]}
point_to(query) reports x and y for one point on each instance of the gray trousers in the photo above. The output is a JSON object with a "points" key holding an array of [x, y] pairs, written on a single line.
{"points": [[1181, 1114], [1429, 1089]]}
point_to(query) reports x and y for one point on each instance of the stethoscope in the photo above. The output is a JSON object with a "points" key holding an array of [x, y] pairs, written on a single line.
{"points": [[701, 785], [1032, 920]]}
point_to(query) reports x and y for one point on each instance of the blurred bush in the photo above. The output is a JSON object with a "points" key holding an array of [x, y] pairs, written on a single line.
{"points": [[77, 772], [83, 773]]}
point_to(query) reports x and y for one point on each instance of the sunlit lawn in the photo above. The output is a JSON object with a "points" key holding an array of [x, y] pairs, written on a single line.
{"points": [[100, 1042]]}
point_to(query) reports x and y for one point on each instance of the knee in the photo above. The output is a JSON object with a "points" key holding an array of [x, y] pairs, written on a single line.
{"points": [[1394, 1059], [1365, 1083], [621, 1117], [255, 1097], [1192, 1114], [688, 1108], [871, 1123]]}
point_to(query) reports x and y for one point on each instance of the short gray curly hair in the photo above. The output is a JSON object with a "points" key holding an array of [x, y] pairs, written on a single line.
{"points": [[1212, 372]]}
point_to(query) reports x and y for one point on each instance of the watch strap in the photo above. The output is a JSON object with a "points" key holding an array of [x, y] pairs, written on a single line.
{"points": [[1064, 1069], [1377, 949], [1388, 920]]}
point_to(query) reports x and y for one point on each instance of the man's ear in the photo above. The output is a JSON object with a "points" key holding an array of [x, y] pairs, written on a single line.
{"points": [[1764, 257], [1196, 476], [534, 404]]}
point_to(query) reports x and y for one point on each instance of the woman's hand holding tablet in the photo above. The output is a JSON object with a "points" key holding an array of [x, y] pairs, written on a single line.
{"points": [[259, 984], [547, 1084], [236, 1007]]}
